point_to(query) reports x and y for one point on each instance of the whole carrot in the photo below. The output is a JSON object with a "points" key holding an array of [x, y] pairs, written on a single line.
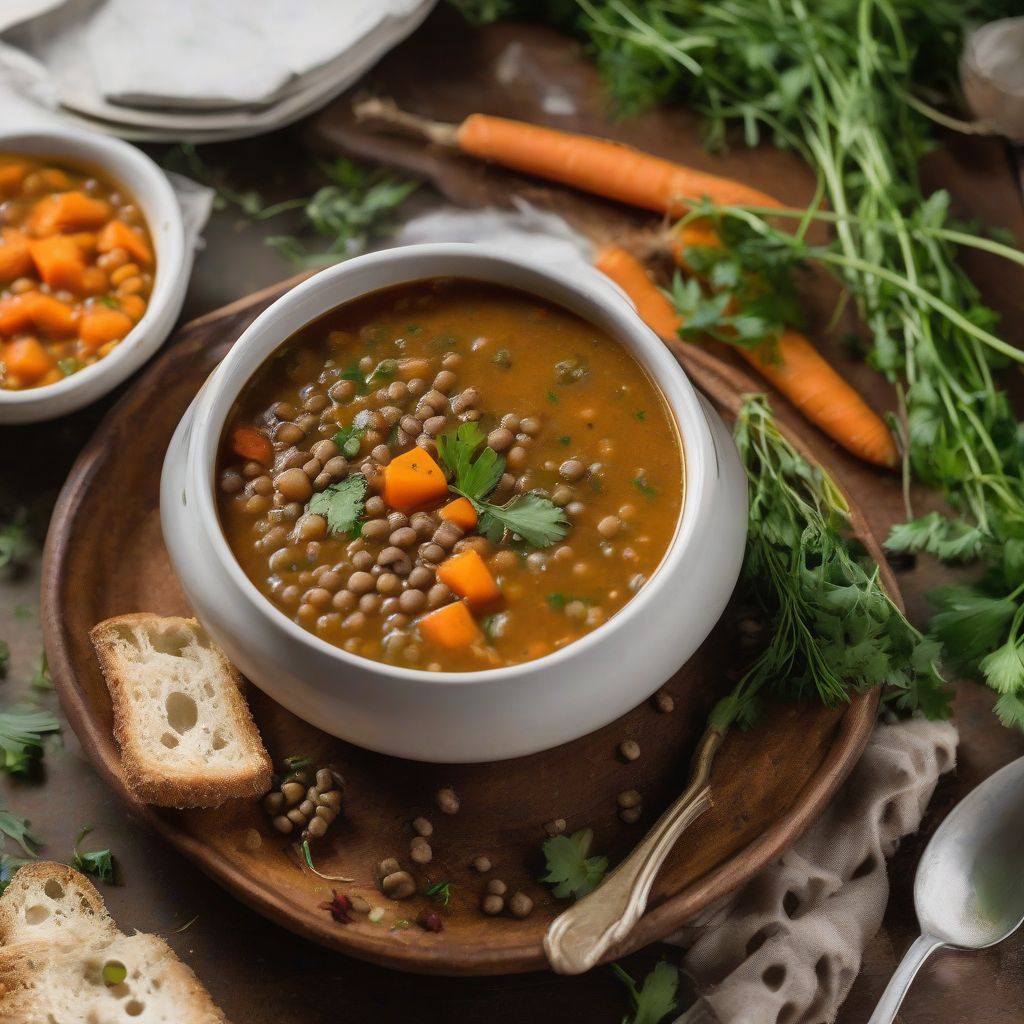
{"points": [[794, 366], [594, 165]]}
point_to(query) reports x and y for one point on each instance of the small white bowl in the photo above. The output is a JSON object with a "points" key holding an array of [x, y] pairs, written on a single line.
{"points": [[147, 184], [461, 716]]}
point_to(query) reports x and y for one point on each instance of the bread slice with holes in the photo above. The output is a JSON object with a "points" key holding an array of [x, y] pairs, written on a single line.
{"points": [[187, 738], [58, 939]]}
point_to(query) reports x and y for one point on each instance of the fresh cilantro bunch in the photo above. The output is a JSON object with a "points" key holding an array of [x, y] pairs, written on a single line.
{"points": [[538, 521], [570, 871], [833, 629], [655, 999]]}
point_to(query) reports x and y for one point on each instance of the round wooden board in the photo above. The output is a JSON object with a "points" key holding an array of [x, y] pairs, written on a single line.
{"points": [[105, 556]]}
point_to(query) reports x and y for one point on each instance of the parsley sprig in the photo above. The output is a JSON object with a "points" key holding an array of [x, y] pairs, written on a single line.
{"points": [[99, 863], [342, 504], [833, 629], [535, 519], [653, 1001], [570, 871], [22, 731]]}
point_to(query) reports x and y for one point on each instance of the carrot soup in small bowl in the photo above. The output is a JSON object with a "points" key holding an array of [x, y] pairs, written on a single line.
{"points": [[453, 507]]}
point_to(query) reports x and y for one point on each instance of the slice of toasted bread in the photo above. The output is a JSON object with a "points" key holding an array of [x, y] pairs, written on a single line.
{"points": [[186, 735], [57, 941]]}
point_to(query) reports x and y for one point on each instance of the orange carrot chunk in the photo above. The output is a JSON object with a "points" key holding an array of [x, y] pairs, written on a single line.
{"points": [[15, 259], [413, 479], [100, 325], [460, 512], [450, 626], [467, 575], [59, 261], [793, 365], [67, 211], [15, 314], [252, 444], [50, 315], [600, 166], [27, 359], [118, 235], [11, 178]]}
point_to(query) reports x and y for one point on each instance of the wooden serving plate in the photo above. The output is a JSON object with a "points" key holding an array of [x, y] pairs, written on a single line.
{"points": [[104, 555]]}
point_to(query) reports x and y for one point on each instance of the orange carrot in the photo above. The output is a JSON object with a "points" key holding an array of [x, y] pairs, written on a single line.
{"points": [[59, 261], [95, 281], [460, 512], [450, 626], [50, 315], [15, 260], [66, 211], [413, 479], [117, 234], [696, 234], [133, 305], [466, 574], [600, 166], [11, 177], [27, 359], [100, 325], [794, 366], [252, 444]]}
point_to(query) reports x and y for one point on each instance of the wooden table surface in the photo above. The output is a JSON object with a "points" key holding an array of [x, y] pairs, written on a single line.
{"points": [[261, 974]]}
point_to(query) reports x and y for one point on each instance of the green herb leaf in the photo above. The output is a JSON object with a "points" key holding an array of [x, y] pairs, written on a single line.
{"points": [[655, 999], [475, 478], [341, 504], [570, 871], [22, 729], [16, 827], [40, 679], [386, 369], [348, 440], [538, 521], [502, 357], [99, 863], [440, 892], [641, 484], [15, 543]]}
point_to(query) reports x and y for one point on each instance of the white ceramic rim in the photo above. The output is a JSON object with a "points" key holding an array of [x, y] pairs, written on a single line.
{"points": [[113, 157], [212, 408]]}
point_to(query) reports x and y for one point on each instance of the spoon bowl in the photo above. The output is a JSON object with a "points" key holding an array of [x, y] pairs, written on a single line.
{"points": [[969, 890]]}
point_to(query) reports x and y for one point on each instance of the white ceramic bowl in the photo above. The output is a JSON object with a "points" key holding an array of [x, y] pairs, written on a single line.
{"points": [[131, 168], [466, 716]]}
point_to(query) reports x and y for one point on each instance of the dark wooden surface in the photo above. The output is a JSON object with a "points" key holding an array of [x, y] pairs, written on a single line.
{"points": [[260, 973]]}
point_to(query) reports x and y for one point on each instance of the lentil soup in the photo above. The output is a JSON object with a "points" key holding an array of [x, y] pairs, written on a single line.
{"points": [[450, 475]]}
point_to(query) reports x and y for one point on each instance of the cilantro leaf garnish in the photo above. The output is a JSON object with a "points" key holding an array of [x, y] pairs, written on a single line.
{"points": [[441, 892], [538, 521], [99, 863], [386, 369], [570, 871], [22, 729], [341, 504], [348, 438], [15, 827], [656, 998], [475, 478]]}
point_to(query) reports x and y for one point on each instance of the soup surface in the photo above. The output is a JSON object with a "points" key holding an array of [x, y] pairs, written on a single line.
{"points": [[450, 475], [76, 269]]}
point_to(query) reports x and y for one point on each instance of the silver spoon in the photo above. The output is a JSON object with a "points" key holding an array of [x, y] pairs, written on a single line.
{"points": [[969, 890]]}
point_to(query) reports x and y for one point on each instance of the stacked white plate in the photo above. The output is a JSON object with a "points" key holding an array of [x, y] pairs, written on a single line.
{"points": [[195, 70]]}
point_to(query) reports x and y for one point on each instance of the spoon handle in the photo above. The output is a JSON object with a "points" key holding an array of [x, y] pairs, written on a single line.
{"points": [[892, 997], [581, 935]]}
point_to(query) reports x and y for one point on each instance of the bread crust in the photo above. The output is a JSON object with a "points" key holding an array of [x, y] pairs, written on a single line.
{"points": [[164, 782]]}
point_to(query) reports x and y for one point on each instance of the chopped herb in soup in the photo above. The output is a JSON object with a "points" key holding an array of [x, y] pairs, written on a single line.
{"points": [[76, 269], [450, 475]]}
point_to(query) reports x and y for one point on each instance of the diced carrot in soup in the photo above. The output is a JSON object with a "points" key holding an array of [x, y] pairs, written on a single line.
{"points": [[466, 574], [15, 314], [450, 626], [100, 325], [27, 359], [15, 259], [59, 261], [51, 316], [95, 281], [11, 178], [67, 211], [413, 479], [118, 235], [252, 444], [133, 305], [460, 512]]}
